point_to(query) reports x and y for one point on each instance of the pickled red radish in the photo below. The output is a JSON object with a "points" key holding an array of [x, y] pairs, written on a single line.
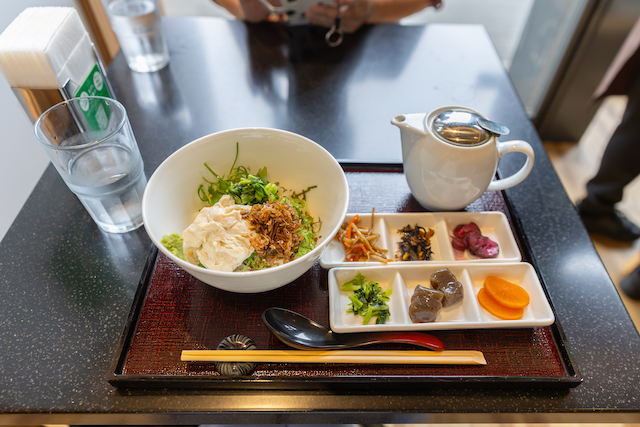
{"points": [[506, 293], [461, 230], [494, 307], [469, 236]]}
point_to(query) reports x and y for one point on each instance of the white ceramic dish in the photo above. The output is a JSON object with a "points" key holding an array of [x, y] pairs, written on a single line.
{"points": [[170, 202], [492, 224], [466, 314]]}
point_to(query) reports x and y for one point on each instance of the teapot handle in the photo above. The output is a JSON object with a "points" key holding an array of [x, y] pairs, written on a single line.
{"points": [[518, 177]]}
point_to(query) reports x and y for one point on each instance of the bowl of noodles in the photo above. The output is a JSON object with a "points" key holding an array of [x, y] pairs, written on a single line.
{"points": [[246, 210]]}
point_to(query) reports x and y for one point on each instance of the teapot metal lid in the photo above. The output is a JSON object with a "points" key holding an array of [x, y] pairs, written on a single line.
{"points": [[462, 127]]}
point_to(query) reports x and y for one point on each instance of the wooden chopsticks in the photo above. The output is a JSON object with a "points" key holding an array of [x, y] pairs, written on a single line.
{"points": [[445, 357]]}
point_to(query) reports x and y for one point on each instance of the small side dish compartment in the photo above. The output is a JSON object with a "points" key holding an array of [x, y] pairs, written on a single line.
{"points": [[493, 225], [465, 314]]}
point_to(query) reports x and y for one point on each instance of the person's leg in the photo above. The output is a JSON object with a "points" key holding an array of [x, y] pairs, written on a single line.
{"points": [[619, 166]]}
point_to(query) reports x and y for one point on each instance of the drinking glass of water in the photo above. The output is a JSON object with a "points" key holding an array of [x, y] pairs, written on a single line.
{"points": [[90, 142], [138, 26]]}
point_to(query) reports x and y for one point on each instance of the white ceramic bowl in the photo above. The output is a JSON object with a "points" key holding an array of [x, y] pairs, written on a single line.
{"points": [[170, 202]]}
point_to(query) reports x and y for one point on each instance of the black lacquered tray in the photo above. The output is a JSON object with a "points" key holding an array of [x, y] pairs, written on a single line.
{"points": [[173, 311]]}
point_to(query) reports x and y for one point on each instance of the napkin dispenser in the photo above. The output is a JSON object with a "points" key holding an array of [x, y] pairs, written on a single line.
{"points": [[46, 56]]}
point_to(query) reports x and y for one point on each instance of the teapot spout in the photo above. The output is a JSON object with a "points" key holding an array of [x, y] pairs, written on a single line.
{"points": [[411, 129]]}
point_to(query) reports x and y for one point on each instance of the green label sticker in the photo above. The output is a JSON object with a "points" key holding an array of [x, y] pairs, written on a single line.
{"points": [[94, 85]]}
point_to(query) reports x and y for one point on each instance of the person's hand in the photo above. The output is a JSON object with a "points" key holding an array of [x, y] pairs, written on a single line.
{"points": [[353, 14], [255, 11]]}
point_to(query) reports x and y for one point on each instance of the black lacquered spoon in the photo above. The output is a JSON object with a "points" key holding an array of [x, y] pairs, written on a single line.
{"points": [[299, 332]]}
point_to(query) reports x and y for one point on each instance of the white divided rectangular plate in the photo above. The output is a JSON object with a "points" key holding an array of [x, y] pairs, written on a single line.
{"points": [[492, 224], [466, 314]]}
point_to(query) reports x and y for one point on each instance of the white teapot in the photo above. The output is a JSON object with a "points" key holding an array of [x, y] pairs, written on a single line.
{"points": [[451, 154]]}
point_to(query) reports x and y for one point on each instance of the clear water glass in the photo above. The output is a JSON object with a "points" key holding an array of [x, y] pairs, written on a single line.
{"points": [[138, 27], [90, 142]]}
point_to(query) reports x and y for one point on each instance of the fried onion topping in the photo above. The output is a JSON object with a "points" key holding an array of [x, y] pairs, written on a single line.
{"points": [[276, 226]]}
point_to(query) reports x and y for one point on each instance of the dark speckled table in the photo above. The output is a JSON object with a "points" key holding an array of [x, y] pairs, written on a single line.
{"points": [[66, 288]]}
